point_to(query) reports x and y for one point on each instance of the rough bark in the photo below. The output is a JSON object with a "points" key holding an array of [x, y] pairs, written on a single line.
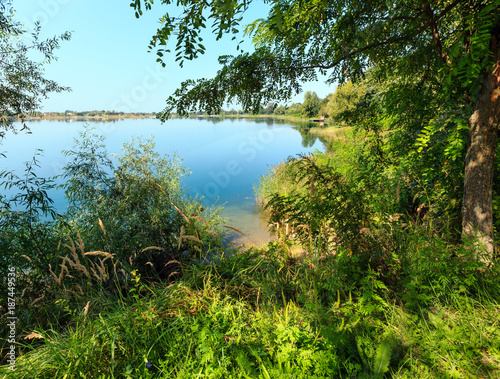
{"points": [[477, 212]]}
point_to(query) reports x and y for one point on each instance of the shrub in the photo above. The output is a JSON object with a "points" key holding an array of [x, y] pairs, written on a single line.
{"points": [[143, 204]]}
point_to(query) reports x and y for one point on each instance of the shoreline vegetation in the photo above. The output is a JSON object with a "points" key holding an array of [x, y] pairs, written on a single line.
{"points": [[137, 281], [85, 116]]}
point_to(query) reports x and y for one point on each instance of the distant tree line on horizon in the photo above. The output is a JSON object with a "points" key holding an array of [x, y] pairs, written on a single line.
{"points": [[336, 107], [94, 113]]}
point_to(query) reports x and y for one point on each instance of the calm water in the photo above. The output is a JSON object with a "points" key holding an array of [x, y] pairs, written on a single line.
{"points": [[226, 157]]}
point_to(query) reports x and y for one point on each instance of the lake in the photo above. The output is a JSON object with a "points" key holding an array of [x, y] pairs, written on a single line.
{"points": [[226, 157]]}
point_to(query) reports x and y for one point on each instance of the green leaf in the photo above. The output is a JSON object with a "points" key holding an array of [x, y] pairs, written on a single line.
{"points": [[382, 359]]}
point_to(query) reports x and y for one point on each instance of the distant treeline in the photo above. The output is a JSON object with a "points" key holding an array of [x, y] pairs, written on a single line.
{"points": [[86, 114], [97, 113], [334, 107]]}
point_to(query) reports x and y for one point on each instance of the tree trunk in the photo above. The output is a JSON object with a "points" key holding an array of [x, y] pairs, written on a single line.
{"points": [[477, 212]]}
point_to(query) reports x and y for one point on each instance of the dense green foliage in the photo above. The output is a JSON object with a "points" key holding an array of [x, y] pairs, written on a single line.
{"points": [[432, 62], [311, 104], [143, 204], [137, 213], [342, 39], [341, 105], [265, 313]]}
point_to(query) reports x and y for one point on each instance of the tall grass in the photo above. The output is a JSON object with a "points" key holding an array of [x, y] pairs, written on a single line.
{"points": [[261, 313]]}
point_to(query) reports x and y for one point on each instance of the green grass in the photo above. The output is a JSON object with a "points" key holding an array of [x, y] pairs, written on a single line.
{"points": [[263, 314], [332, 132]]}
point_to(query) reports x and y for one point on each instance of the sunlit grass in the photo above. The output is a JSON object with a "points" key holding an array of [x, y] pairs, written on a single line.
{"points": [[262, 313], [332, 132]]}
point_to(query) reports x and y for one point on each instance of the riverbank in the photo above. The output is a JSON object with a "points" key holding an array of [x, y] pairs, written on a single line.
{"points": [[332, 132], [89, 116], [294, 119], [97, 118]]}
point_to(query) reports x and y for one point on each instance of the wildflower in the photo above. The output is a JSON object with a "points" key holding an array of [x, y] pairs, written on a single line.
{"points": [[149, 365]]}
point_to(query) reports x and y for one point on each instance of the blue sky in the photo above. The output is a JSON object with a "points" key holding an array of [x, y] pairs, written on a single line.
{"points": [[107, 64]]}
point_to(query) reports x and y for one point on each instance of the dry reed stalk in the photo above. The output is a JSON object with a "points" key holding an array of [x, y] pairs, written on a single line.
{"points": [[76, 265], [56, 278], [212, 233], [79, 288], [70, 262], [83, 269], [33, 335], [180, 237], [100, 253], [152, 248], [236, 230], [80, 243], [26, 257], [102, 269], [76, 261], [98, 277], [102, 226], [64, 268], [37, 299], [199, 219], [114, 270], [71, 248], [173, 261], [86, 309], [182, 214]]}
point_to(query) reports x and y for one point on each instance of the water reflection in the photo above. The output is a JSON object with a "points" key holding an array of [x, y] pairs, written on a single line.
{"points": [[308, 139]]}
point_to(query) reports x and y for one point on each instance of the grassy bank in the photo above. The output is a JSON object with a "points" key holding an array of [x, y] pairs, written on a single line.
{"points": [[261, 314], [332, 132]]}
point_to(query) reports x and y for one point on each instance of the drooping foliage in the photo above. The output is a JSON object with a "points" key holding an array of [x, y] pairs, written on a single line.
{"points": [[22, 82], [341, 39]]}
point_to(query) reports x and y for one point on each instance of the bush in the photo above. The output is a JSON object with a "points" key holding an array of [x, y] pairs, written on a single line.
{"points": [[142, 205]]}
